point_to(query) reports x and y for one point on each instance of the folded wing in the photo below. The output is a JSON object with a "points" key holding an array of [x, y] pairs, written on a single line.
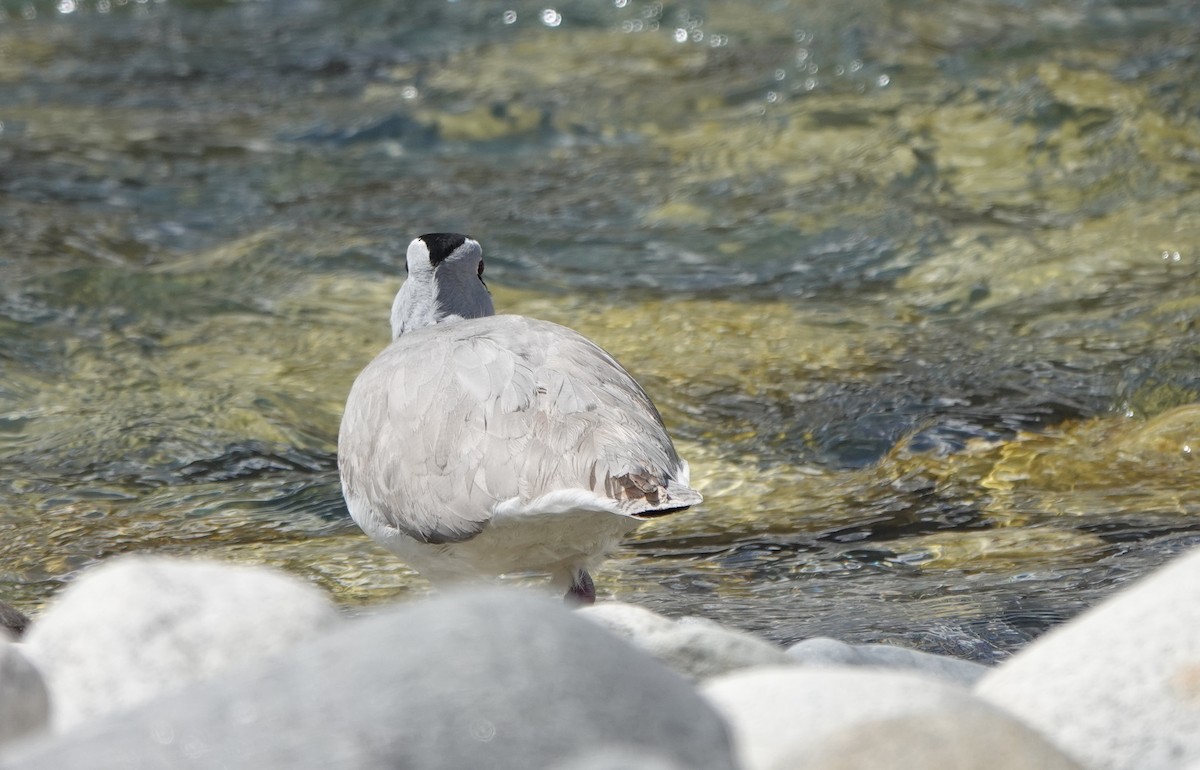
{"points": [[450, 422]]}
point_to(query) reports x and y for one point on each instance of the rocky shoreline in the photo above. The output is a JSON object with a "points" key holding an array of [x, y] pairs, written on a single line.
{"points": [[148, 662]]}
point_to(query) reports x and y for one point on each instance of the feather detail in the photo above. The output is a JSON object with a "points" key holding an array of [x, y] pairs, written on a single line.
{"points": [[450, 421]]}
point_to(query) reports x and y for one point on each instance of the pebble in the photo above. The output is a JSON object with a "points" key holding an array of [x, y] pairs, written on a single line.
{"points": [[140, 626], [498, 679]]}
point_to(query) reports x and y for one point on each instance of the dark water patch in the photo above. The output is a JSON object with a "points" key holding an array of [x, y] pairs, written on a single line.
{"points": [[1144, 526], [941, 406], [254, 460], [909, 518], [299, 505], [412, 134]]}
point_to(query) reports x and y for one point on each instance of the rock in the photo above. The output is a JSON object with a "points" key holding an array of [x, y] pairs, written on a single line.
{"points": [[969, 740], [695, 647], [1118, 686], [785, 717], [822, 651], [136, 627], [12, 620], [24, 703], [484, 679], [610, 759]]}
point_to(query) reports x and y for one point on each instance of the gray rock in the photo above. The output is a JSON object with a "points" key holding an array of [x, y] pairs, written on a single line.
{"points": [[969, 740], [136, 627], [487, 679], [1119, 686], [822, 651], [695, 647], [12, 620], [24, 703], [782, 717], [617, 759]]}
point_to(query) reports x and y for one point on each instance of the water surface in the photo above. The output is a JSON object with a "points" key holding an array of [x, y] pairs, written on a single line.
{"points": [[914, 284]]}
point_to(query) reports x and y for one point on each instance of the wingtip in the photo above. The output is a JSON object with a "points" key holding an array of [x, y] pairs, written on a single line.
{"points": [[678, 497], [682, 491]]}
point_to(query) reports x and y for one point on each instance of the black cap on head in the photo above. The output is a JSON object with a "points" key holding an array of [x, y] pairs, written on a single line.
{"points": [[442, 245]]}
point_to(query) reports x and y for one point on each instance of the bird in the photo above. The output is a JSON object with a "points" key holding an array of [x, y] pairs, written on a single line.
{"points": [[476, 444]]}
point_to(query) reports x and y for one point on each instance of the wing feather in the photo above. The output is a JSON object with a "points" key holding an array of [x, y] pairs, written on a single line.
{"points": [[451, 421]]}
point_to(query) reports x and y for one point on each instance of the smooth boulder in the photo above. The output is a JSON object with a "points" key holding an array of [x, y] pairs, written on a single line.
{"points": [[617, 759], [823, 651], [1118, 687], [137, 626], [695, 647], [945, 740], [482, 679], [790, 717]]}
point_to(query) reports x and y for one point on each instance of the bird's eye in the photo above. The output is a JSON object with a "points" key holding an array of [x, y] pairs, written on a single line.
{"points": [[481, 268]]}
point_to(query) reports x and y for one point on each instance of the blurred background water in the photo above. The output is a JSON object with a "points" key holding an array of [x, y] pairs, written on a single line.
{"points": [[915, 284]]}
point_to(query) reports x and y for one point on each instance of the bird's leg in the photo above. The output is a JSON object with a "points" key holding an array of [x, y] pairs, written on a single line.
{"points": [[582, 591]]}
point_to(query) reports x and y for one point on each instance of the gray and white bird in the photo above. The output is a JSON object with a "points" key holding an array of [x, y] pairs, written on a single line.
{"points": [[478, 444]]}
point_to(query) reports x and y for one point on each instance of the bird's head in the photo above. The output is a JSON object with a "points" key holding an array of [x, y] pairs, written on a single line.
{"points": [[444, 284]]}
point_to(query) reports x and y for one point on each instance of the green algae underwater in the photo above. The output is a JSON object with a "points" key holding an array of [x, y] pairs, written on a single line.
{"points": [[914, 285]]}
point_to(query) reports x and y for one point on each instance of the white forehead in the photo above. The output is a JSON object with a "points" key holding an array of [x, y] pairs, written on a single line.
{"points": [[417, 258]]}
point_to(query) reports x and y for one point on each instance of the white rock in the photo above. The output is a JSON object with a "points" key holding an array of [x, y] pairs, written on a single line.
{"points": [[24, 703], [961, 740], [138, 626], [1119, 686], [483, 679], [695, 647], [783, 717], [620, 759], [822, 651]]}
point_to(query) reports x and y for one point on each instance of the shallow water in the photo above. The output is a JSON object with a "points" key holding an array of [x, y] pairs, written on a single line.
{"points": [[915, 285]]}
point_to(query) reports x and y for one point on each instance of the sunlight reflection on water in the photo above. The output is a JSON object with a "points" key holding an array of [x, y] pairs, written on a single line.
{"points": [[919, 311]]}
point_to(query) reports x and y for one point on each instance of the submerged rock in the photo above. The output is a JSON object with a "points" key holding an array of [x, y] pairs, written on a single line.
{"points": [[1154, 383], [1112, 465]]}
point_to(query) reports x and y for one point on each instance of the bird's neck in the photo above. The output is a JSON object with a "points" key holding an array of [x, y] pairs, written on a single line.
{"points": [[423, 302]]}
